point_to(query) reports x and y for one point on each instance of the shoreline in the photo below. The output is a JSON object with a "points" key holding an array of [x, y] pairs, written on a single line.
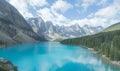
{"points": [[6, 65], [111, 61], [117, 63]]}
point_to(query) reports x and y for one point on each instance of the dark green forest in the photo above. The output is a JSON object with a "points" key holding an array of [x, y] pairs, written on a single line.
{"points": [[105, 43], [2, 43]]}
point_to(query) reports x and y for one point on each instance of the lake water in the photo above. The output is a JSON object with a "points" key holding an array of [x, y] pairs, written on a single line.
{"points": [[53, 56]]}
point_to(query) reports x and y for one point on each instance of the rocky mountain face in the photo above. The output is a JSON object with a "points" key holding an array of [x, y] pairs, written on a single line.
{"points": [[6, 65], [13, 27], [52, 32]]}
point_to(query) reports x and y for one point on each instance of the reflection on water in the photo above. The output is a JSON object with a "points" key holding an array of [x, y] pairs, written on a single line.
{"points": [[75, 67], [53, 56]]}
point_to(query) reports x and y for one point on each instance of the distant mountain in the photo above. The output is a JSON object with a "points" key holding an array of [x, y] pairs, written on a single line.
{"points": [[113, 27], [106, 43], [52, 32], [13, 27]]}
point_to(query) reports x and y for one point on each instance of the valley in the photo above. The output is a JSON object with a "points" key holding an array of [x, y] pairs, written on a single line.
{"points": [[59, 35]]}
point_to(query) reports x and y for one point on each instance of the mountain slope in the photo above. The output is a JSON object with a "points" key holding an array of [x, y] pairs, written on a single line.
{"points": [[52, 32], [13, 27], [113, 27], [105, 43]]}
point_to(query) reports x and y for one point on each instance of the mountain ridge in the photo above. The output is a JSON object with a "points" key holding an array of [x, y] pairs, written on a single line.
{"points": [[13, 27], [52, 32], [113, 27]]}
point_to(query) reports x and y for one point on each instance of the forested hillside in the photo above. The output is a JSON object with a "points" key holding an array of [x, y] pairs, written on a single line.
{"points": [[106, 43]]}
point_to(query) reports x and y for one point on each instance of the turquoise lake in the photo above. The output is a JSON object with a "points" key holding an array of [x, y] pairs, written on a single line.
{"points": [[53, 56]]}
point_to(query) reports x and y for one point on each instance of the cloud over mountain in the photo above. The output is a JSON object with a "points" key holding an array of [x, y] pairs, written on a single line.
{"points": [[62, 12]]}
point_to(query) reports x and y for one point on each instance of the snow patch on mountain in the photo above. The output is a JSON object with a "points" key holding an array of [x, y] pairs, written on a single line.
{"points": [[51, 32]]}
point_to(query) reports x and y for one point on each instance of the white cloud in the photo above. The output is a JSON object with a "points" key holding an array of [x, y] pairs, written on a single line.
{"points": [[87, 3], [91, 15], [51, 14], [61, 5], [96, 21], [117, 2], [46, 14], [22, 7], [108, 12], [107, 16], [81, 22], [93, 21], [102, 2], [102, 17], [38, 3]]}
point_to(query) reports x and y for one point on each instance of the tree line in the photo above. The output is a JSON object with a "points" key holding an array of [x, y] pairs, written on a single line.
{"points": [[105, 43]]}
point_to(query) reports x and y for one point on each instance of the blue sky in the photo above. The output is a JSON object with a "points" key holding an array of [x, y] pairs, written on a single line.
{"points": [[68, 12]]}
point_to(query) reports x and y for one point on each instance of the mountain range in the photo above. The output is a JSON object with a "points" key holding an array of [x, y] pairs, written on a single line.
{"points": [[51, 32]]}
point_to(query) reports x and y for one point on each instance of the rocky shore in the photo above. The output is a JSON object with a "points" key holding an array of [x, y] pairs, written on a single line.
{"points": [[6, 65]]}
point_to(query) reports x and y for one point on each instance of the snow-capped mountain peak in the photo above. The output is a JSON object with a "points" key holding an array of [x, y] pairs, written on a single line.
{"points": [[52, 32]]}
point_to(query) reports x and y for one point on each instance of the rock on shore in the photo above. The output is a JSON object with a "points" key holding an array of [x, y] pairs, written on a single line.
{"points": [[6, 65]]}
